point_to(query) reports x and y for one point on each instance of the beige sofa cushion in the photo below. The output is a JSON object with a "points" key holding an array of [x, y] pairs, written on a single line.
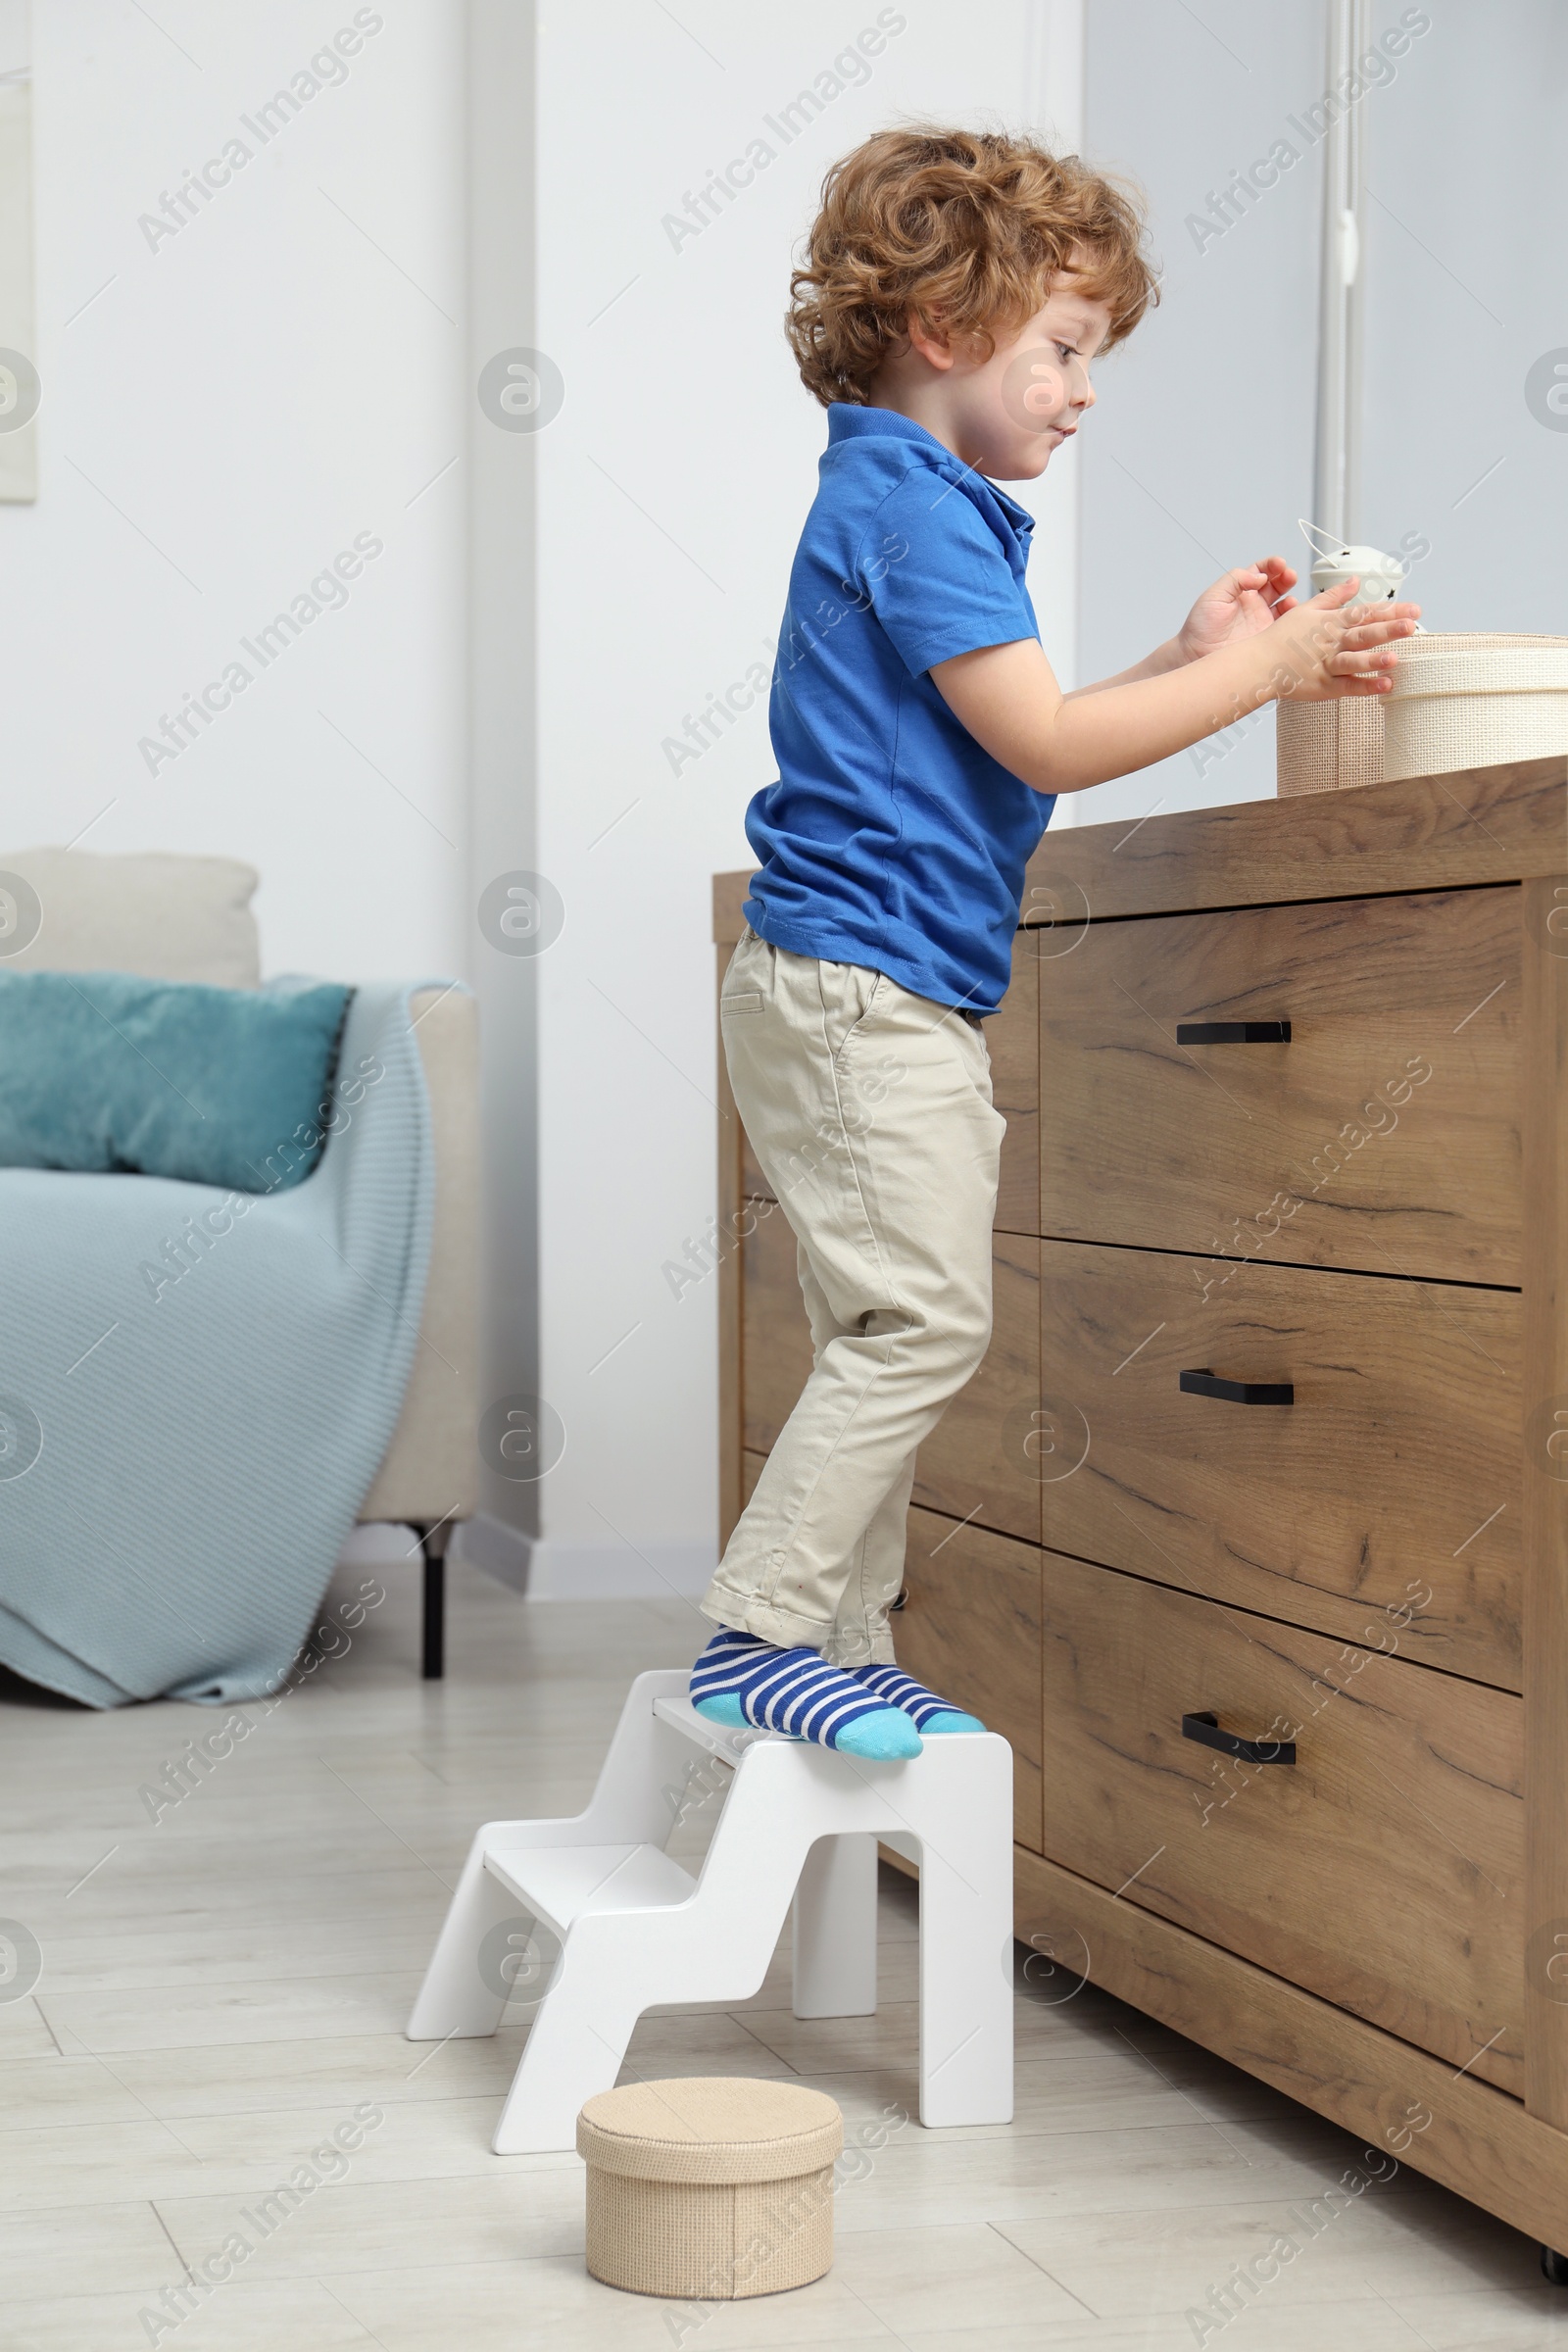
{"points": [[161, 917]]}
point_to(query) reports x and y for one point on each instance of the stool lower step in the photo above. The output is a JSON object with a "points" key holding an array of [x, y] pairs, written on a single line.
{"points": [[562, 1883]]}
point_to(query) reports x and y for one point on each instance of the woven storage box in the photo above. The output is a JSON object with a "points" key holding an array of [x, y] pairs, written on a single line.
{"points": [[1322, 747], [1475, 700], [709, 2189]]}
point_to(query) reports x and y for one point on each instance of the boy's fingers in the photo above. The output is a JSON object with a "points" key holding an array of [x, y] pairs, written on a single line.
{"points": [[1378, 632], [1345, 665], [1387, 618]]}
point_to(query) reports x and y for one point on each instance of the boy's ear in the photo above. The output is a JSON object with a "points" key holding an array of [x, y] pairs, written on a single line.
{"points": [[930, 339]]}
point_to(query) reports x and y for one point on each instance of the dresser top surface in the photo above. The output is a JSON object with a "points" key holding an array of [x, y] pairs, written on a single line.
{"points": [[1450, 832]]}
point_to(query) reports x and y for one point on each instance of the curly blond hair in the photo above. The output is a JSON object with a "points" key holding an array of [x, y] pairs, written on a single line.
{"points": [[966, 229]]}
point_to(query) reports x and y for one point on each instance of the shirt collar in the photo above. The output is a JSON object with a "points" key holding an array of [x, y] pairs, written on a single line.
{"points": [[848, 422]]}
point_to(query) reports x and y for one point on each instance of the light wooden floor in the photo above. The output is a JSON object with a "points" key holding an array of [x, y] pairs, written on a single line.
{"points": [[222, 1989]]}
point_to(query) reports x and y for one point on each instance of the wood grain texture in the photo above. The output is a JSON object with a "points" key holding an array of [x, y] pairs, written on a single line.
{"points": [[1397, 2100], [1486, 824], [1384, 1135], [1394, 1476], [1546, 1495], [1382, 1870], [755, 1186], [730, 892], [1012, 1040], [971, 1629], [978, 1461]]}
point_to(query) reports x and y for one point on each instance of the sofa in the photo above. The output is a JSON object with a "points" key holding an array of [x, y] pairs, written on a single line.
{"points": [[185, 918]]}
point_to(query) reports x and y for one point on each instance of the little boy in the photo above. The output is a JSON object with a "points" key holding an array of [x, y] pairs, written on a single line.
{"points": [[956, 290]]}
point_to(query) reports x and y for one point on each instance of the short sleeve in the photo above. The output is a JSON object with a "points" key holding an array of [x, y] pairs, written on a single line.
{"points": [[936, 574]]}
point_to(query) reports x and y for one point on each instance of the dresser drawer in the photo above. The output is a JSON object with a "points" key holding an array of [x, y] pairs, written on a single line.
{"points": [[1382, 1869], [1012, 1040], [1393, 1482], [977, 1463], [970, 1628], [1384, 1135]]}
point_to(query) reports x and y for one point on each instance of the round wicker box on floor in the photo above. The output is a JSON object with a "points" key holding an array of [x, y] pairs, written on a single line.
{"points": [[711, 2187]]}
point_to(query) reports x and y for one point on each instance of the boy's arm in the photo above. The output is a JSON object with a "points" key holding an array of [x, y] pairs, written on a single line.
{"points": [[1158, 665], [1009, 702], [1248, 597]]}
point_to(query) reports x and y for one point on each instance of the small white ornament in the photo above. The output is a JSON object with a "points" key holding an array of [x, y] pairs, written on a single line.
{"points": [[1380, 576]]}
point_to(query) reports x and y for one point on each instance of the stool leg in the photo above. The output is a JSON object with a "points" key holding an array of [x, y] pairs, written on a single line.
{"points": [[576, 2044], [966, 1936], [454, 1997], [835, 1928]]}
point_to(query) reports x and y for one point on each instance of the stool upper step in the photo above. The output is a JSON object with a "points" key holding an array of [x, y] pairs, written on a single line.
{"points": [[719, 1738], [559, 1884]]}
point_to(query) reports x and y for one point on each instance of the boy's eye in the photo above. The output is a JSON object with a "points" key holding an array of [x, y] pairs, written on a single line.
{"points": [[1068, 351]]}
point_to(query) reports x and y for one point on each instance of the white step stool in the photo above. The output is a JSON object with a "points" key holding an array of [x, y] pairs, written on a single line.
{"points": [[799, 1821]]}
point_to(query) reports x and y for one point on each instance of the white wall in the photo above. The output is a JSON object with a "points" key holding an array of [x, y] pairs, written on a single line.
{"points": [[1465, 301], [224, 410], [672, 486], [1199, 455]]}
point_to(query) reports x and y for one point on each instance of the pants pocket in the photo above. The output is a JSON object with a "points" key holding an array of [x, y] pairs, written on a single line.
{"points": [[849, 995]]}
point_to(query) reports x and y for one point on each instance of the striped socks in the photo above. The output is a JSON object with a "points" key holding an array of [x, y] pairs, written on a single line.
{"points": [[740, 1679], [926, 1711]]}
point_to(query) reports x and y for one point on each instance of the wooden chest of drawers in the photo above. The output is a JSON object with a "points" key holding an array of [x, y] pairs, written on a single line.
{"points": [[1252, 1531]]}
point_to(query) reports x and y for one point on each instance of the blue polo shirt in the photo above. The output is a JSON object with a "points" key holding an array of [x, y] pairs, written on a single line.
{"points": [[892, 839]]}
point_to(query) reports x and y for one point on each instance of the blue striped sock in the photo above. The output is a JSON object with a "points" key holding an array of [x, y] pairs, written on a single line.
{"points": [[895, 1688], [740, 1679]]}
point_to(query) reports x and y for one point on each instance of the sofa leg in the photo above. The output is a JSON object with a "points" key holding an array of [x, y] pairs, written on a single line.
{"points": [[434, 1547]]}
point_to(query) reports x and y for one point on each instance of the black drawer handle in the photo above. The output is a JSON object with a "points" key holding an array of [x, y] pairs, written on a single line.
{"points": [[1238, 1392], [1204, 1729], [1233, 1033]]}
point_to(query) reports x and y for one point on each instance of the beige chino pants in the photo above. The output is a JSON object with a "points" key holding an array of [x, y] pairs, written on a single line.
{"points": [[870, 1110]]}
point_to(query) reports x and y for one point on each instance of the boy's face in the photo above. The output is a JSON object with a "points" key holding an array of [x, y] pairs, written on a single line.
{"points": [[1007, 414]]}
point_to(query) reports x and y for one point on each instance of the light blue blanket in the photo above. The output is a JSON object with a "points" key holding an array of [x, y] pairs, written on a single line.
{"points": [[197, 1388]]}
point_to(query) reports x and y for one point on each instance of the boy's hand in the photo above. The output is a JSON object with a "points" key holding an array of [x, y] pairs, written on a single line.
{"points": [[1247, 600], [1329, 647]]}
